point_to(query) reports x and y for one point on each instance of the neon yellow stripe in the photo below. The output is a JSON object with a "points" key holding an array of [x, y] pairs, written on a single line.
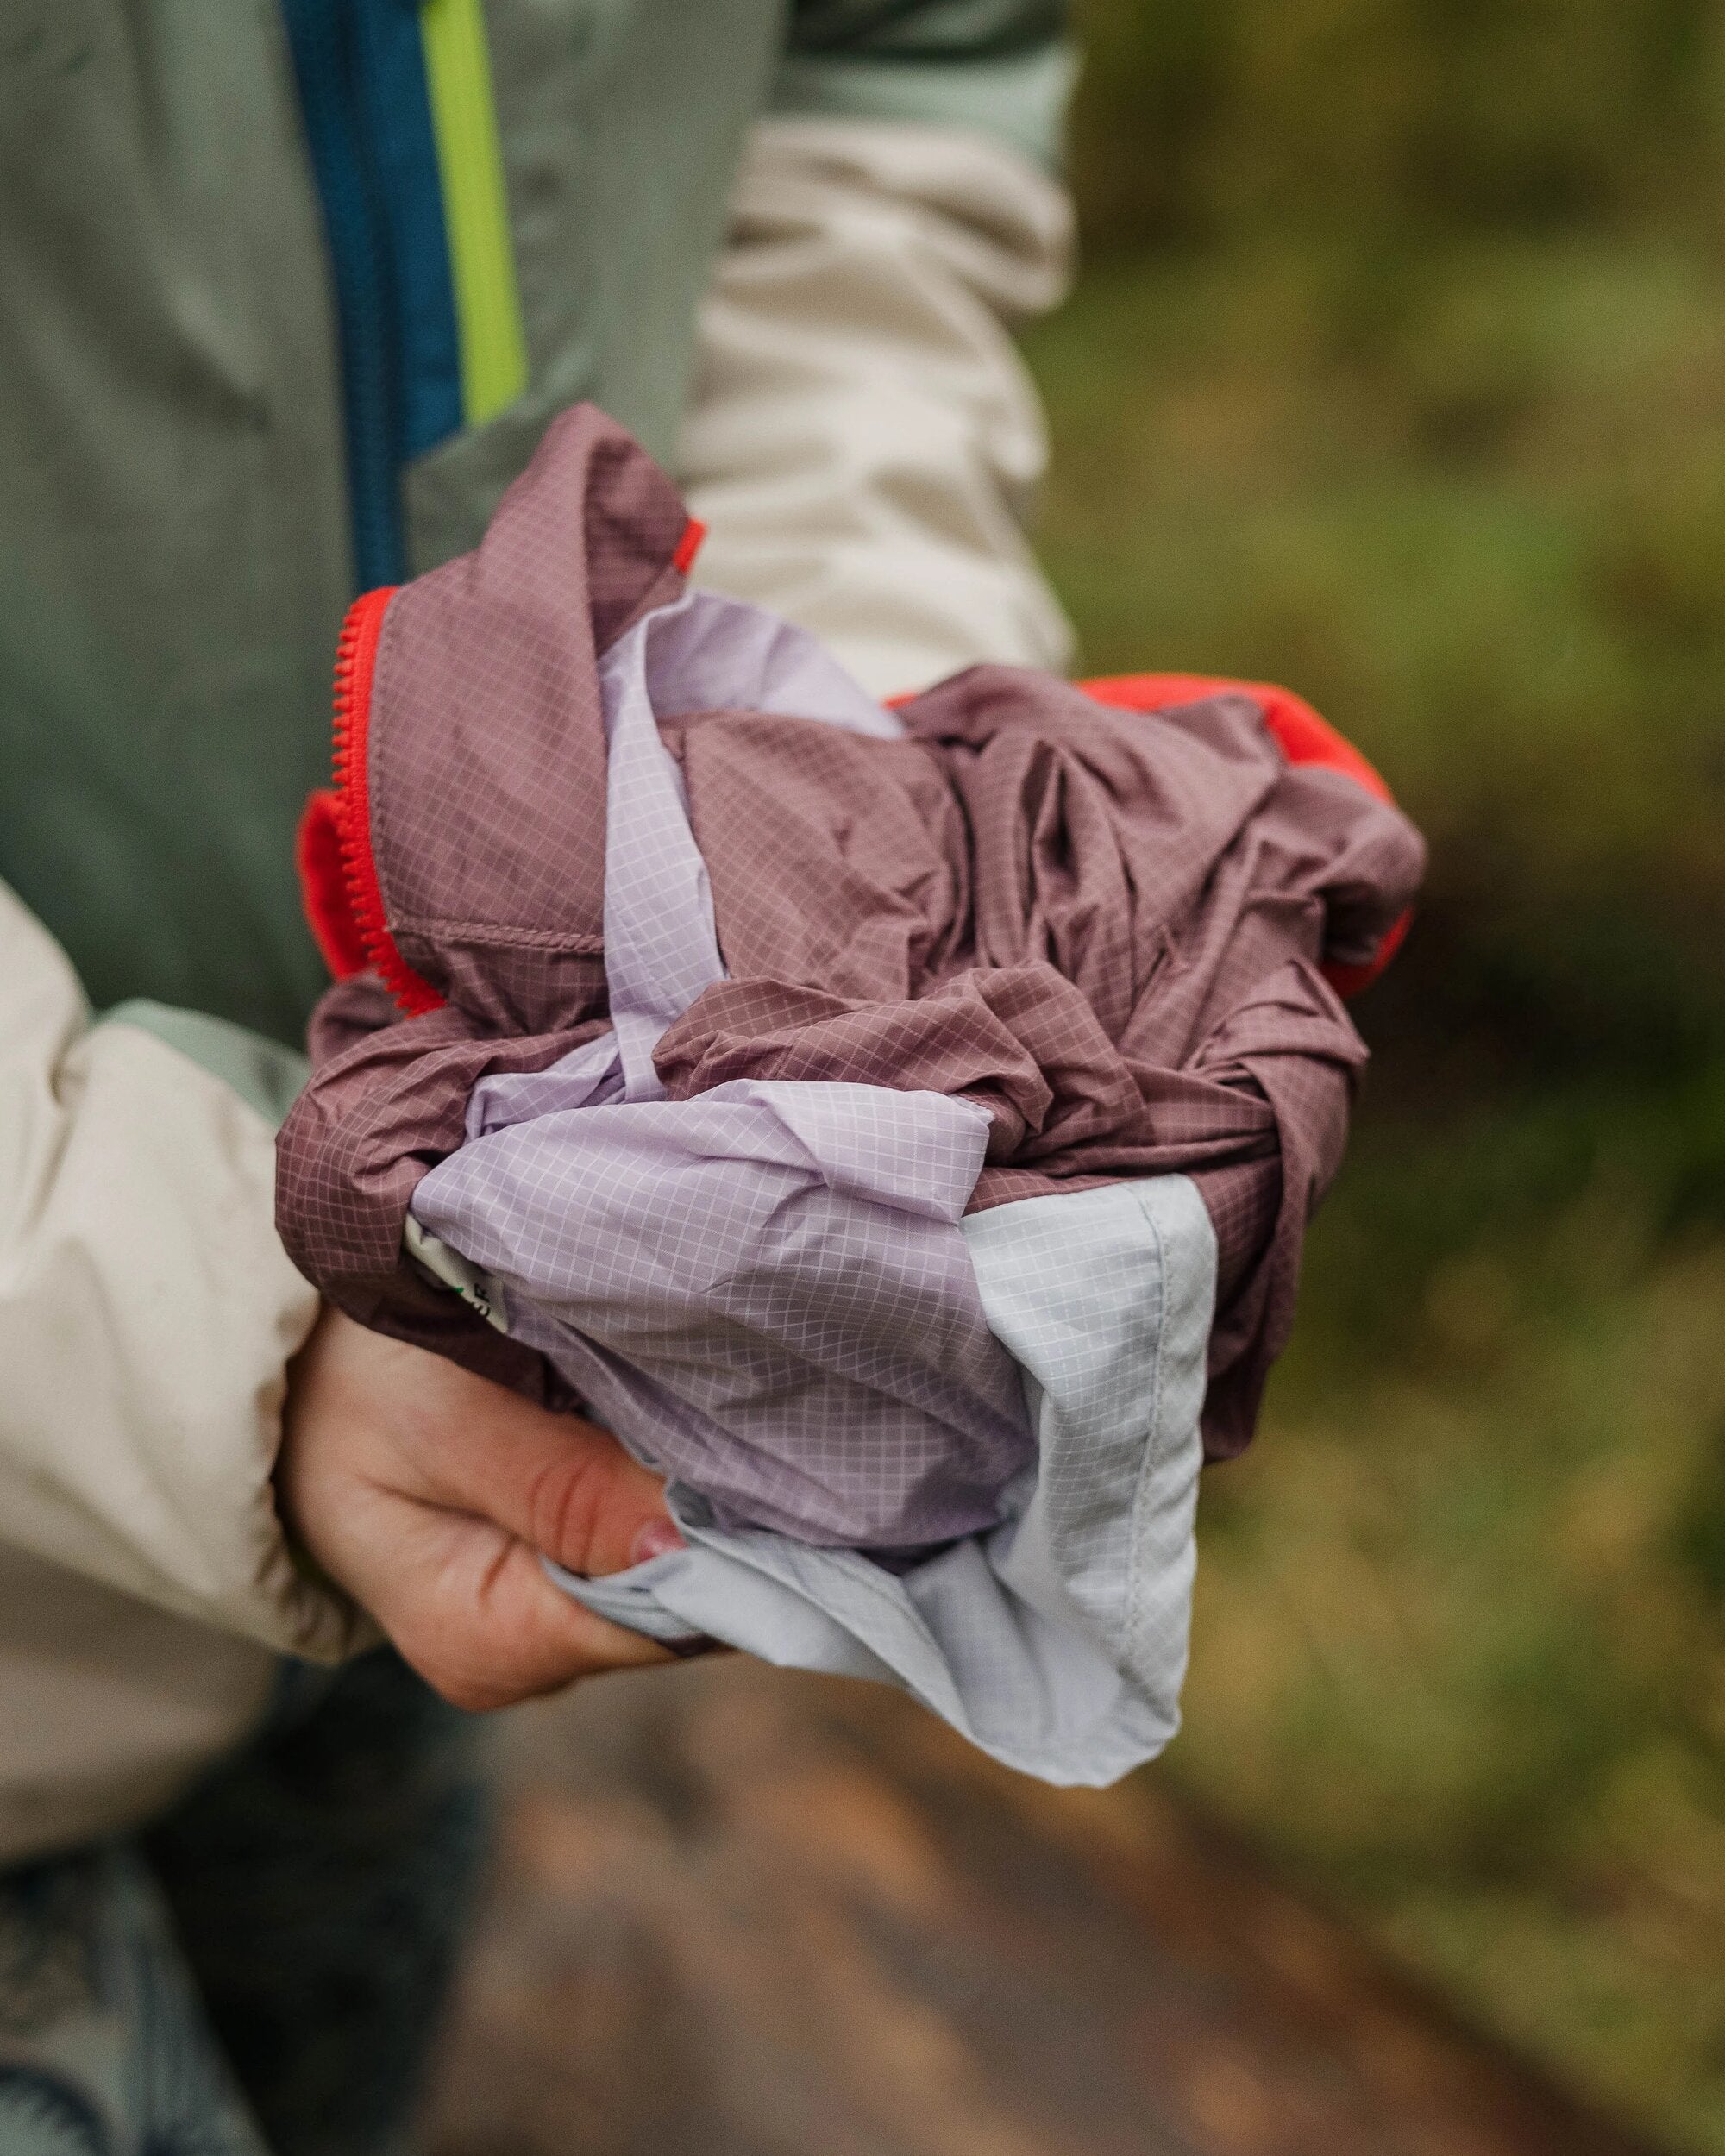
{"points": [[475, 208]]}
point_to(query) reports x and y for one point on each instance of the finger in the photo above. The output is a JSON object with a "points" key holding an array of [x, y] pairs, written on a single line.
{"points": [[471, 1608], [557, 1482], [466, 1601]]}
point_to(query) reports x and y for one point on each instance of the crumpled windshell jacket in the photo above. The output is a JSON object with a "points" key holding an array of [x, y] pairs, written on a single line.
{"points": [[1116, 935], [1100, 933]]}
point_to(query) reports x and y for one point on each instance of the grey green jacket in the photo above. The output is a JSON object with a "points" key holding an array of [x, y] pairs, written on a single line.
{"points": [[174, 556], [780, 244]]}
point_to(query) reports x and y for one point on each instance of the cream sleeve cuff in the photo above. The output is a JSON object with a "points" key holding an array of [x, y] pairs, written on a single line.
{"points": [[864, 443], [147, 1307]]}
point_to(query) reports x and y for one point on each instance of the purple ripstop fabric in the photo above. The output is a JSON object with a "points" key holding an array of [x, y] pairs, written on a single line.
{"points": [[660, 854], [763, 1290]]}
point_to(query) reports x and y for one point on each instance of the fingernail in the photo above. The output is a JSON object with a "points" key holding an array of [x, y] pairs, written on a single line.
{"points": [[654, 1540]]}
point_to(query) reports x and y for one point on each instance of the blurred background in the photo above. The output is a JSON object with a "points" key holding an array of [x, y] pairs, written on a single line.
{"points": [[1396, 373]]}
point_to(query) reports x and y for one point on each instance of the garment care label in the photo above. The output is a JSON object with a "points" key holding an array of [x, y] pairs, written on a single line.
{"points": [[479, 1289]]}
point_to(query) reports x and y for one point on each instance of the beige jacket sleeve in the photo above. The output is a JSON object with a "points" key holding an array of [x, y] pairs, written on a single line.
{"points": [[146, 1309], [864, 442]]}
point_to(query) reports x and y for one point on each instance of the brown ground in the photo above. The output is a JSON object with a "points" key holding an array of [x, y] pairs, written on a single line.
{"points": [[745, 1914]]}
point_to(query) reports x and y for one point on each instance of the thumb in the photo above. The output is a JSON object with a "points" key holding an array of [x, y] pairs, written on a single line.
{"points": [[470, 1607], [559, 1482]]}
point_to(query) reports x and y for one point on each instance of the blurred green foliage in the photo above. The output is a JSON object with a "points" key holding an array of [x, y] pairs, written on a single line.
{"points": [[1397, 373], [1400, 117]]}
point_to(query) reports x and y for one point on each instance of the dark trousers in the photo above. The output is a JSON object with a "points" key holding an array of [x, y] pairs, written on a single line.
{"points": [[265, 1968]]}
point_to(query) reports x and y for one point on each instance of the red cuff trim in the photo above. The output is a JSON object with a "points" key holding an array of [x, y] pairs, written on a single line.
{"points": [[337, 870], [1295, 728], [1302, 736], [323, 885], [688, 546]]}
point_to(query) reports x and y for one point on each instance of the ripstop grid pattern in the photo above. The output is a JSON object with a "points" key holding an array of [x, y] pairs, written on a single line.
{"points": [[1096, 934], [765, 1292], [487, 779], [1057, 1642]]}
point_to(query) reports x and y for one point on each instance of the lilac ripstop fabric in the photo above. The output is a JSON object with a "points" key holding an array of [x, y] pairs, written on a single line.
{"points": [[764, 1290]]}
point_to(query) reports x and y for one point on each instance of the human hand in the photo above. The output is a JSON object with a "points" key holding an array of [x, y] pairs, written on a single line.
{"points": [[431, 1493]]}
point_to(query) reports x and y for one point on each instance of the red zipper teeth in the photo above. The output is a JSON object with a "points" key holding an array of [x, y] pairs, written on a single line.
{"points": [[355, 661]]}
